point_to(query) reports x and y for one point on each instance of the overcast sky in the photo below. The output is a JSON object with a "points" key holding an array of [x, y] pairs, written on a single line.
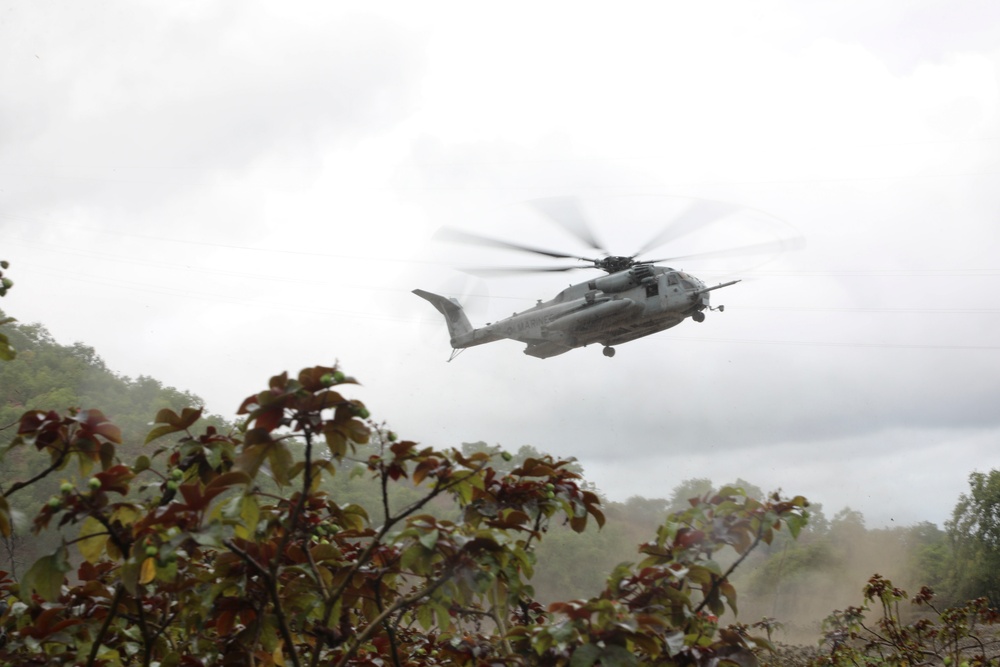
{"points": [[213, 192]]}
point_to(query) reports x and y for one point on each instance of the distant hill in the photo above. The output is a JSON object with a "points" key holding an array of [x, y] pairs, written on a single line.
{"points": [[47, 375]]}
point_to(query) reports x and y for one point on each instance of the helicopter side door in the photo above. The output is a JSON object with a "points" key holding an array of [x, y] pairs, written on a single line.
{"points": [[657, 294]]}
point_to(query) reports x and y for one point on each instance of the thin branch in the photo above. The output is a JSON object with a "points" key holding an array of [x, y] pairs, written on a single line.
{"points": [[55, 465], [147, 642], [112, 608], [391, 521], [366, 554], [389, 629], [296, 512], [272, 590], [498, 618], [732, 568], [396, 606]]}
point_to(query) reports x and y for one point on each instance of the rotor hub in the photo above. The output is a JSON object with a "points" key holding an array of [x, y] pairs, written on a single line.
{"points": [[614, 263]]}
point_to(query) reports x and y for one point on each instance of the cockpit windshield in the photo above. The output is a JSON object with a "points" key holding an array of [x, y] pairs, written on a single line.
{"points": [[687, 282]]}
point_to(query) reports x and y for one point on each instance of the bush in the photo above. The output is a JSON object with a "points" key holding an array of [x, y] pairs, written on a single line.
{"points": [[223, 549]]}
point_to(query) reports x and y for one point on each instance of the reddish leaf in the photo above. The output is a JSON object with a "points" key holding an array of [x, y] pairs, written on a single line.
{"points": [[270, 418], [116, 479]]}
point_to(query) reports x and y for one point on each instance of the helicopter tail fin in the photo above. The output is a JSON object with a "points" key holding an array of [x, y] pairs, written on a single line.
{"points": [[458, 323]]}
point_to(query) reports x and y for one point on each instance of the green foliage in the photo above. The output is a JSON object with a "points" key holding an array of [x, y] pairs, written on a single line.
{"points": [[974, 536], [47, 375], [956, 636], [665, 608], [7, 351], [228, 548]]}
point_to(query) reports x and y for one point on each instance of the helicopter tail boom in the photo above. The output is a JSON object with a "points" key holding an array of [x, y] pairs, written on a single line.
{"points": [[458, 323]]}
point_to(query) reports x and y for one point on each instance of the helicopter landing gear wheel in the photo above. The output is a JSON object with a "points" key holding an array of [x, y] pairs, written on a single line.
{"points": [[609, 351], [698, 316]]}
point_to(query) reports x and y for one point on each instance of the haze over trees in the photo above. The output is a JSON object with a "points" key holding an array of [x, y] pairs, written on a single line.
{"points": [[45, 375], [144, 533]]}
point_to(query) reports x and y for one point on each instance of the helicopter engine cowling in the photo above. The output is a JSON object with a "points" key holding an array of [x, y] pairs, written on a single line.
{"points": [[623, 280]]}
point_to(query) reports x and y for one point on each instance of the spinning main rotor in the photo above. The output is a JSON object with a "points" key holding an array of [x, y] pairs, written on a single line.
{"points": [[566, 212]]}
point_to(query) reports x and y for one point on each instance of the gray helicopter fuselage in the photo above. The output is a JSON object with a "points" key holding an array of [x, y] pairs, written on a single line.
{"points": [[609, 310]]}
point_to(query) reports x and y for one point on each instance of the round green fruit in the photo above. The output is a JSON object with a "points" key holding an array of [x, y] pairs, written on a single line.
{"points": [[338, 376], [172, 485], [7, 283], [151, 551], [176, 474], [506, 456], [94, 483], [362, 412], [55, 503], [67, 487], [326, 380]]}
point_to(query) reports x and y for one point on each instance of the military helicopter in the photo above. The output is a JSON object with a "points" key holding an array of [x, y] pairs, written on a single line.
{"points": [[635, 299]]}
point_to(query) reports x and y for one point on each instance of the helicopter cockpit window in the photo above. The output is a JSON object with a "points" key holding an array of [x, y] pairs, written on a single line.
{"points": [[687, 284], [672, 280]]}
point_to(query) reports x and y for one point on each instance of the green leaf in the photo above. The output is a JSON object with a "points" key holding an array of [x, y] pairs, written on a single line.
{"points": [[93, 536], [251, 458], [412, 560], [429, 539], [796, 523], [585, 656], [249, 517], [7, 353], [729, 592], [46, 576], [763, 643], [425, 616], [159, 432], [335, 440], [443, 617], [618, 656], [280, 458]]}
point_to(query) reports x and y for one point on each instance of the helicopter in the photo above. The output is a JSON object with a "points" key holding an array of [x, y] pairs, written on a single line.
{"points": [[636, 298]]}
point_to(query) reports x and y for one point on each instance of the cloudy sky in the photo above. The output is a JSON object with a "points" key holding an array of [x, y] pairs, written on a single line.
{"points": [[213, 192]]}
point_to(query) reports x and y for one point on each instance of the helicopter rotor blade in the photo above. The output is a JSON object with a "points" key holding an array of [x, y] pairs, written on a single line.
{"points": [[699, 214], [456, 235], [780, 245], [566, 212], [508, 270]]}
